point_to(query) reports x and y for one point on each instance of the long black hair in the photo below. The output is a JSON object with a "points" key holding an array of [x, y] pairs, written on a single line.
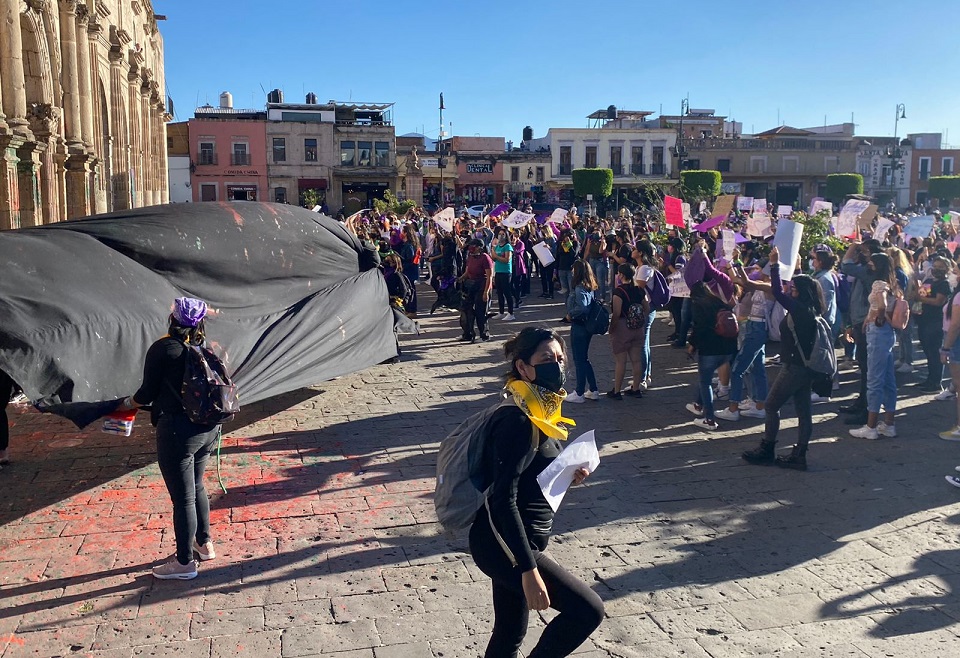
{"points": [[809, 293], [189, 335]]}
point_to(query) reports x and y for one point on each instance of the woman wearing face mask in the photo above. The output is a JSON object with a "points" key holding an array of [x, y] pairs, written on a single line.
{"points": [[566, 254], [510, 532], [933, 293], [503, 273]]}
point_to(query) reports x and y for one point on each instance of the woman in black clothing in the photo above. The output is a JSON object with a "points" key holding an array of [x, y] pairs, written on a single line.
{"points": [[803, 305], [183, 447], [510, 533], [712, 349]]}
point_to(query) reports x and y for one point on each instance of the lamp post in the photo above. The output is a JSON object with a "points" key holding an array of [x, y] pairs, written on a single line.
{"points": [[895, 153], [441, 163], [680, 151]]}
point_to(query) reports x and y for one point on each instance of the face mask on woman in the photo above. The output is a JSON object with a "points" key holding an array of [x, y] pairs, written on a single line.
{"points": [[550, 376]]}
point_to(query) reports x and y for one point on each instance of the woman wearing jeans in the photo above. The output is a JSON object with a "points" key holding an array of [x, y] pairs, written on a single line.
{"points": [[584, 287], [183, 447], [753, 350], [712, 349]]}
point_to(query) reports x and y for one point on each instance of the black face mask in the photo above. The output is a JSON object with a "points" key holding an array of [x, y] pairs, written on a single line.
{"points": [[550, 376]]}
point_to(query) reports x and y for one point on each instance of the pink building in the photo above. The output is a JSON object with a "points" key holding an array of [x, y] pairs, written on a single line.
{"points": [[228, 153]]}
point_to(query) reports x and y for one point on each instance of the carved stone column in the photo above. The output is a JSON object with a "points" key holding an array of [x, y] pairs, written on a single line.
{"points": [[9, 181], [85, 75], [161, 123], [28, 175], [120, 156], [69, 78], [44, 121], [134, 135], [13, 91], [100, 177], [147, 146]]}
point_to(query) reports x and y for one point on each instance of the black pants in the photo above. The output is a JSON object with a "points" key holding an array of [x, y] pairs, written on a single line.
{"points": [[183, 449], [501, 281], [931, 337], [546, 279], [675, 306], [6, 391], [860, 339], [473, 309], [581, 610], [792, 382]]}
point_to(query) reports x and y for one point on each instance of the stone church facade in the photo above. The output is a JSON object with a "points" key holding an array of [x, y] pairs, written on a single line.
{"points": [[82, 112]]}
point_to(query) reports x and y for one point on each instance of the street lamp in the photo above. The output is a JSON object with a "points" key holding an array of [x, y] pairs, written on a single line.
{"points": [[680, 151], [894, 152], [441, 162]]}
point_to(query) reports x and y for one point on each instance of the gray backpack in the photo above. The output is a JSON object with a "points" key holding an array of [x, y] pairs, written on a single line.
{"points": [[462, 485], [823, 357]]}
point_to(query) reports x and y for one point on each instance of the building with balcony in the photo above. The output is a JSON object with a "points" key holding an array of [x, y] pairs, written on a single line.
{"points": [[301, 149], [638, 151], [228, 153], [928, 158], [367, 166], [786, 166], [478, 163], [82, 109], [887, 166], [527, 175]]}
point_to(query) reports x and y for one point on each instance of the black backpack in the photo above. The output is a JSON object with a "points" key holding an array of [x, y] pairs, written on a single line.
{"points": [[208, 394]]}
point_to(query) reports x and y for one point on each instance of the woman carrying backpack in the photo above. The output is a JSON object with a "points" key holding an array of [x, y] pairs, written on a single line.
{"points": [[803, 305], [583, 287], [523, 440], [628, 332], [183, 447]]}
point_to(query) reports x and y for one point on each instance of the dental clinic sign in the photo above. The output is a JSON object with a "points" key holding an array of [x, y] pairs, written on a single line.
{"points": [[479, 168]]}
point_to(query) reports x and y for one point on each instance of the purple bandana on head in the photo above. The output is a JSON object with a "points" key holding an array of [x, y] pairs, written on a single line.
{"points": [[188, 311]]}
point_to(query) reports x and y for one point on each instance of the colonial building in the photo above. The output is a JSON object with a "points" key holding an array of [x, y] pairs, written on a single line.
{"points": [[929, 158], [228, 153], [887, 167], [82, 113]]}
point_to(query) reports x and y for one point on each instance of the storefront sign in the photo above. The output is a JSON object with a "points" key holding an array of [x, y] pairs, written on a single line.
{"points": [[479, 168], [241, 172]]}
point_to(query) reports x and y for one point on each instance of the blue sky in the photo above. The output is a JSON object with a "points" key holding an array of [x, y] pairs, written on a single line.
{"points": [[503, 65]]}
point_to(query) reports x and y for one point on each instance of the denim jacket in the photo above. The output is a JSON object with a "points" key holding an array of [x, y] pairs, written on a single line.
{"points": [[578, 302]]}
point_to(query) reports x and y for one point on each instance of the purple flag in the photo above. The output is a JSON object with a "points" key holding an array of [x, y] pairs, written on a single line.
{"points": [[703, 227], [542, 217], [499, 210], [739, 238]]}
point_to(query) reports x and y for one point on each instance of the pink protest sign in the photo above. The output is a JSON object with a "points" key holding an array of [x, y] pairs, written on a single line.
{"points": [[673, 209]]}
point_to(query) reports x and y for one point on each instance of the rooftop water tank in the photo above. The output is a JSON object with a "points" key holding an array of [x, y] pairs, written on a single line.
{"points": [[226, 100]]}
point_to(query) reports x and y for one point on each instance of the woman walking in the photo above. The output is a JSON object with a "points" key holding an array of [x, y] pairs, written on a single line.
{"points": [[584, 286], [503, 273], [510, 533], [183, 446], [630, 309], [803, 305], [410, 255], [712, 350]]}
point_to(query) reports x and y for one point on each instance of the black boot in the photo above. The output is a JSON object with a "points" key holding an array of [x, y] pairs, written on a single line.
{"points": [[763, 454], [796, 460]]}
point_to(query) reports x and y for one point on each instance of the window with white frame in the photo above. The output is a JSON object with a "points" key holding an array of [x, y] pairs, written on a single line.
{"points": [[758, 164], [923, 170], [791, 164], [240, 156], [946, 167]]}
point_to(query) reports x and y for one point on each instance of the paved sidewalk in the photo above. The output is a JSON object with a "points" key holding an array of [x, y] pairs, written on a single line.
{"points": [[327, 542]]}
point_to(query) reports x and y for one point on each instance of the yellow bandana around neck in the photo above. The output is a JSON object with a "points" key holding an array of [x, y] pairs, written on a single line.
{"points": [[541, 406]]}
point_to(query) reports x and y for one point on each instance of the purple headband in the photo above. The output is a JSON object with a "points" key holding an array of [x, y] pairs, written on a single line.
{"points": [[188, 312]]}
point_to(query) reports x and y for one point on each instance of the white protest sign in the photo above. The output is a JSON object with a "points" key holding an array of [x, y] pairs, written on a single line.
{"points": [[542, 250], [685, 207], [559, 216], [920, 227], [784, 211], [729, 243], [759, 226], [883, 225], [557, 477], [819, 205], [678, 287], [703, 206], [745, 203], [847, 220], [445, 218], [759, 207], [787, 241], [517, 219], [955, 218]]}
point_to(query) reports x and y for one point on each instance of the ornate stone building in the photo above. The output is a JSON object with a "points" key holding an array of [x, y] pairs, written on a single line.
{"points": [[82, 117]]}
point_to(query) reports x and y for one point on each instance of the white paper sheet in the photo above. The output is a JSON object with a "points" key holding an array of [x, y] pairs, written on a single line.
{"points": [[883, 225], [559, 216], [517, 219], [556, 478], [445, 218], [787, 241], [729, 243], [542, 250]]}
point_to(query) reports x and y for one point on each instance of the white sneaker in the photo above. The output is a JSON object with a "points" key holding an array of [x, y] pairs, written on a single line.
{"points": [[592, 395], [951, 435], [573, 397], [889, 431], [957, 469], [946, 395], [173, 570], [508, 317], [704, 424], [753, 413], [205, 551], [747, 404], [694, 408], [836, 385], [499, 316], [816, 398], [726, 414], [723, 392], [865, 432], [905, 367], [954, 480]]}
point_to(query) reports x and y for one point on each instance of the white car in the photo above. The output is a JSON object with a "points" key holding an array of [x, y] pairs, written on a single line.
{"points": [[476, 211]]}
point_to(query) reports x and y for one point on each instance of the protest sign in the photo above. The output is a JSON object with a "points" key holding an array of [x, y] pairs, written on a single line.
{"points": [[820, 204], [499, 210], [759, 207], [708, 224], [687, 217], [866, 217], [883, 225], [559, 216], [673, 209], [517, 219], [919, 227], [542, 250], [787, 241], [702, 207], [445, 218], [784, 211], [729, 243], [678, 287], [952, 246], [723, 205], [759, 226], [847, 224], [740, 238], [745, 203], [955, 218]]}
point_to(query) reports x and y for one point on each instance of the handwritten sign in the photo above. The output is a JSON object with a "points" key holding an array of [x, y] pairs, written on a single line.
{"points": [[673, 209], [920, 227], [685, 207], [866, 217], [819, 205], [883, 225], [517, 219], [706, 225], [784, 211], [729, 243], [745, 203], [445, 218], [559, 216], [678, 287], [847, 220], [723, 205], [760, 226], [760, 207]]}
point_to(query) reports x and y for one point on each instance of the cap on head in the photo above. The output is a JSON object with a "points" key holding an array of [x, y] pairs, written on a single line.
{"points": [[188, 312]]}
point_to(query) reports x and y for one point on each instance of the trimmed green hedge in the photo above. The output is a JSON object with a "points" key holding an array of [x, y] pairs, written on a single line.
{"points": [[840, 186], [699, 184], [945, 188], [598, 182]]}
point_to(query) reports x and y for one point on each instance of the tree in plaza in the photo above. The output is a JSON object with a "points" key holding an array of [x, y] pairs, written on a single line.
{"points": [[595, 182], [816, 230], [698, 185], [840, 186], [944, 188], [390, 203], [311, 198]]}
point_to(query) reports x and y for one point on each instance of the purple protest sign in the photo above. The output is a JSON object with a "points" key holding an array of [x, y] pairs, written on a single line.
{"points": [[499, 210], [739, 238], [703, 227]]}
